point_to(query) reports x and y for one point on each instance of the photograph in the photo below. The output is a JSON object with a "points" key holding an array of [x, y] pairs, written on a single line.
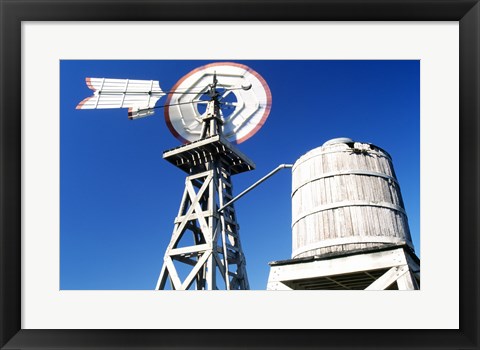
{"points": [[240, 175]]}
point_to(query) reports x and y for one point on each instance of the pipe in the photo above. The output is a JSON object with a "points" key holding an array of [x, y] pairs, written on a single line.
{"points": [[273, 172]]}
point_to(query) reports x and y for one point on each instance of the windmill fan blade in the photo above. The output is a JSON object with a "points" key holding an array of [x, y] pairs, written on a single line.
{"points": [[122, 93]]}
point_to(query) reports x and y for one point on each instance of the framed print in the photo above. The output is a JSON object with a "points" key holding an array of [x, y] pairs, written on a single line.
{"points": [[80, 191]]}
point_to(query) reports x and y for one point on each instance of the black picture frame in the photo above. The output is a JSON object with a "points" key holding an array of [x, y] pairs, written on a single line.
{"points": [[13, 12]]}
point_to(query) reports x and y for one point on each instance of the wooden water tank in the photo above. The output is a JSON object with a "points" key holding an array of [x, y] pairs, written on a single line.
{"points": [[346, 197]]}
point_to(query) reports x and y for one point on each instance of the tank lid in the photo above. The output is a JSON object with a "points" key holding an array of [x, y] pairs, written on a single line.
{"points": [[338, 140]]}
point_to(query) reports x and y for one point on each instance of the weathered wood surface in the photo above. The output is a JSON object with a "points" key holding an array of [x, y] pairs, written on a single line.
{"points": [[395, 265], [346, 193]]}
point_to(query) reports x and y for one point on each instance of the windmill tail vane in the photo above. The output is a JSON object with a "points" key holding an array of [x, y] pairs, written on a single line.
{"points": [[136, 95]]}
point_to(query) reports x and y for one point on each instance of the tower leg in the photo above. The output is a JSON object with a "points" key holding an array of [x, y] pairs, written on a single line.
{"points": [[407, 282]]}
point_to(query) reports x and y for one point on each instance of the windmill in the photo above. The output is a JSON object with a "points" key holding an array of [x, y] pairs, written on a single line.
{"points": [[209, 110]]}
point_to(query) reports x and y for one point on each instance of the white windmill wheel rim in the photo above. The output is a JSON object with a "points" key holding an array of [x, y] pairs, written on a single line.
{"points": [[252, 108]]}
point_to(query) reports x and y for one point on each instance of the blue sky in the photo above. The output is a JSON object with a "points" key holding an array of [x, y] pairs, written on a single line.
{"points": [[118, 197]]}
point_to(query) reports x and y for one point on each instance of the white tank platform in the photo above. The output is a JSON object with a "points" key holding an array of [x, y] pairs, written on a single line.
{"points": [[392, 268]]}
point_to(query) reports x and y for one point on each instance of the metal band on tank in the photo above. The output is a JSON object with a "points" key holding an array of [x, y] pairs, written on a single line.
{"points": [[348, 204], [349, 240], [352, 172]]}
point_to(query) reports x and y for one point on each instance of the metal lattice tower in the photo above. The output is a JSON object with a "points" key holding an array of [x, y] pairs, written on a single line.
{"points": [[205, 244]]}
